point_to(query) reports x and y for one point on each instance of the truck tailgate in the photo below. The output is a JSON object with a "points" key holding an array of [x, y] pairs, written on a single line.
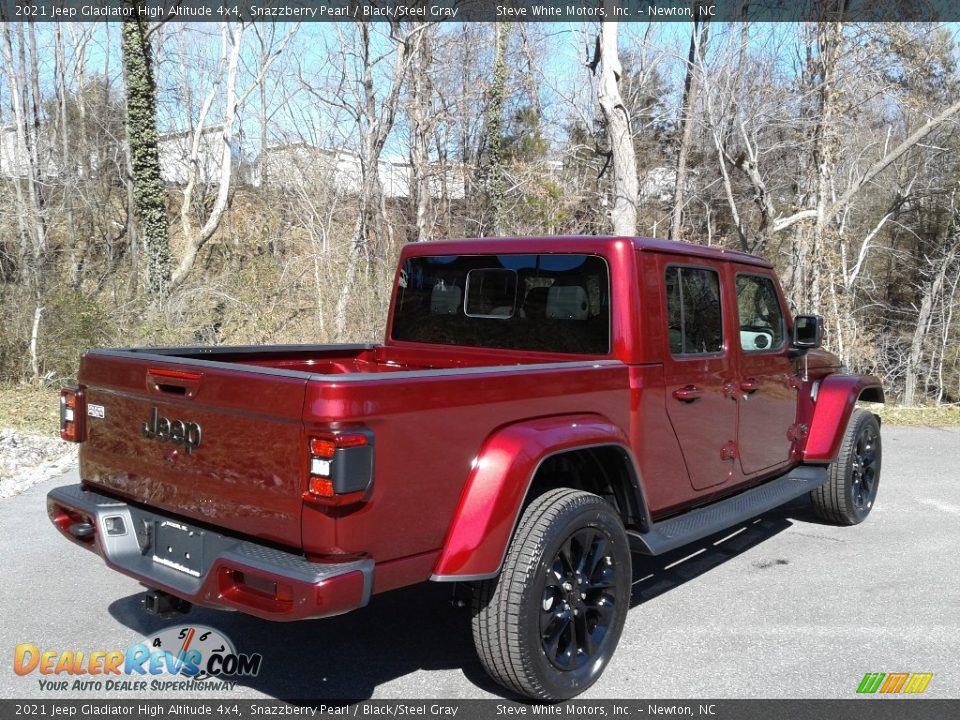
{"points": [[216, 444]]}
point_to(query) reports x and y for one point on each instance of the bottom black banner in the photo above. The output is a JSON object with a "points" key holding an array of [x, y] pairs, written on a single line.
{"points": [[865, 709]]}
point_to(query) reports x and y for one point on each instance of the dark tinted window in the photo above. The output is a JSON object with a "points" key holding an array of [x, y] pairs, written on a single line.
{"points": [[549, 303], [694, 318], [491, 292], [760, 315]]}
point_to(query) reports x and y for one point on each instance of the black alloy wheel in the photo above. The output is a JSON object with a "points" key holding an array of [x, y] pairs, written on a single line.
{"points": [[578, 602], [865, 467], [850, 492], [548, 624]]}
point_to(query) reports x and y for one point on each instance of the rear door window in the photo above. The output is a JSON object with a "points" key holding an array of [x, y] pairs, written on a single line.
{"points": [[694, 312]]}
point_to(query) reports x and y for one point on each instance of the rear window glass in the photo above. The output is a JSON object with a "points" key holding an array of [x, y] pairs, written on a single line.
{"points": [[491, 293], [548, 303]]}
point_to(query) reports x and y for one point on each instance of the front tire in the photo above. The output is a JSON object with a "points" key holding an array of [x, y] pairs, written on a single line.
{"points": [[850, 493], [547, 626]]}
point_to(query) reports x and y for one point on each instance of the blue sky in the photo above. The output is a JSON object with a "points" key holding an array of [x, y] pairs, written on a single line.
{"points": [[567, 91]]}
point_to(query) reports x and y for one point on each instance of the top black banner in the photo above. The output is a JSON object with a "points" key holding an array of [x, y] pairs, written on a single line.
{"points": [[537, 11]]}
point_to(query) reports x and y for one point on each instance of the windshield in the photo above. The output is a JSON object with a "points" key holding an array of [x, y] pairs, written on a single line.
{"points": [[549, 303]]}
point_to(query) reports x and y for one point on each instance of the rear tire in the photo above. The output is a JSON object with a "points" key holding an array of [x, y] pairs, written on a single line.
{"points": [[547, 626], [850, 493]]}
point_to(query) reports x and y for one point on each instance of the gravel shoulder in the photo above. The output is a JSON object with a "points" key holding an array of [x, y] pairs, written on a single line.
{"points": [[27, 459]]}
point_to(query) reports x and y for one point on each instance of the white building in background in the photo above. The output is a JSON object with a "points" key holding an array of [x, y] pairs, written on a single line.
{"points": [[15, 160], [13, 156], [302, 166], [290, 167], [658, 183], [175, 149], [299, 165], [397, 180]]}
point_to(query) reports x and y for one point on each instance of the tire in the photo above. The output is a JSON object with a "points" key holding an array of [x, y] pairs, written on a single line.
{"points": [[540, 628], [850, 493]]}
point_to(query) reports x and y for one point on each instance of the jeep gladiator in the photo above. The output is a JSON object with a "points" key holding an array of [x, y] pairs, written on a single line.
{"points": [[540, 408]]}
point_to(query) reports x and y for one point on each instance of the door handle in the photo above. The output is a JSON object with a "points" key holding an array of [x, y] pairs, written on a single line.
{"points": [[749, 385], [688, 393]]}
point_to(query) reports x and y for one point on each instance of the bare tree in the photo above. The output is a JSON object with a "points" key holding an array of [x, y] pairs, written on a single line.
{"points": [[66, 166], [26, 154], [423, 122], [625, 186], [231, 42], [933, 290], [195, 238], [373, 111], [699, 33]]}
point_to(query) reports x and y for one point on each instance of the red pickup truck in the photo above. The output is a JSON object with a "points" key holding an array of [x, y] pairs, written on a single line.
{"points": [[539, 409]]}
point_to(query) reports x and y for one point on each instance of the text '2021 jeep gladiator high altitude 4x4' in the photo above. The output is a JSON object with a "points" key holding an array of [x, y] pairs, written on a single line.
{"points": [[539, 408]]}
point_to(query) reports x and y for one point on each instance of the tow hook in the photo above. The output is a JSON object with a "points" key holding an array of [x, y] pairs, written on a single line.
{"points": [[164, 605], [81, 530]]}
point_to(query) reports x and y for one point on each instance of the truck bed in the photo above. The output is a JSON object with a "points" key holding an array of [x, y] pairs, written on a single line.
{"points": [[429, 410]]}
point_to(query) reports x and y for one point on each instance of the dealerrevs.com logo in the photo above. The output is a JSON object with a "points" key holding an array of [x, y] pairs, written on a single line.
{"points": [[183, 657], [894, 683]]}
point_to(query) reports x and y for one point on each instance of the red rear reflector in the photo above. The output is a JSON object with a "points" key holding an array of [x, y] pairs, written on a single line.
{"points": [[326, 445], [322, 448], [176, 374], [351, 440], [321, 486]]}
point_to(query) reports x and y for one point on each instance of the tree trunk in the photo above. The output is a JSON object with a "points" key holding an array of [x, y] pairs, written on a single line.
{"points": [[496, 144], [625, 185], [931, 294], [949, 302], [422, 123], [195, 239], [34, 338], [804, 282], [67, 164], [691, 89], [32, 226], [24, 211], [377, 118], [149, 193]]}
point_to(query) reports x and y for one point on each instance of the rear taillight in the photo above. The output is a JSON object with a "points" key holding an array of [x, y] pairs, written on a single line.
{"points": [[73, 409], [341, 465]]}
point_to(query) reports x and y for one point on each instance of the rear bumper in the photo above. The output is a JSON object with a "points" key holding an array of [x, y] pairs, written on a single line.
{"points": [[232, 574]]}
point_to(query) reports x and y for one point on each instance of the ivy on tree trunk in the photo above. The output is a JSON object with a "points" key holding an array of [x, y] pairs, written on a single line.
{"points": [[149, 193], [496, 183]]}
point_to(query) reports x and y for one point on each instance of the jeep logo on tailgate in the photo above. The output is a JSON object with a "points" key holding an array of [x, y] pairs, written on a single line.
{"points": [[176, 431]]}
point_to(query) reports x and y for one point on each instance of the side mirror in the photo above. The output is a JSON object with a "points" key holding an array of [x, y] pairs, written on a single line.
{"points": [[807, 332]]}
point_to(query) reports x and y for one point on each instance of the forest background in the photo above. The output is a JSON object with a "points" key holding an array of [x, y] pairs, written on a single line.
{"points": [[229, 183]]}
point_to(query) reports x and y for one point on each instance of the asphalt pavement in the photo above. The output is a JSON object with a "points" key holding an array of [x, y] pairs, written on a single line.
{"points": [[782, 607]]}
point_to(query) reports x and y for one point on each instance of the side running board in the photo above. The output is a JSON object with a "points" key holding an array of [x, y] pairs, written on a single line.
{"points": [[696, 524]]}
